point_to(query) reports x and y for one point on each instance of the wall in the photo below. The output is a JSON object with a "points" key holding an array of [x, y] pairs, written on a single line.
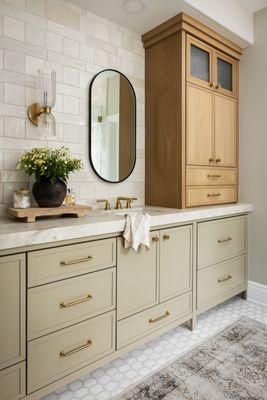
{"points": [[231, 14], [253, 143], [77, 45]]}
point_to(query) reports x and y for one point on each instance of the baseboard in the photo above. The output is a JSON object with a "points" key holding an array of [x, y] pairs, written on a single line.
{"points": [[257, 293]]}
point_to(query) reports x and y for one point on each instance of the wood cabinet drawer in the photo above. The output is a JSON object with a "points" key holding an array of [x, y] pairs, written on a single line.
{"points": [[12, 309], [51, 265], [58, 354], [217, 280], [221, 239], [200, 196], [140, 325], [137, 278], [70, 301], [175, 272], [12, 382], [210, 176]]}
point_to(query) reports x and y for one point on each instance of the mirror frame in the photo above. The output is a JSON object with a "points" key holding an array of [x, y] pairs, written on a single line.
{"points": [[90, 121]]}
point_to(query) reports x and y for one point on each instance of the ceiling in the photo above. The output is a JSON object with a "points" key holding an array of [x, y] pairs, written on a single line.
{"points": [[254, 5], [158, 11]]}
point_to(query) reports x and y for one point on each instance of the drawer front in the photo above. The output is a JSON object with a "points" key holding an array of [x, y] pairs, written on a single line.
{"points": [[140, 325], [12, 310], [137, 281], [51, 265], [210, 176], [12, 382], [70, 301], [198, 196], [58, 354], [175, 261], [221, 239], [219, 279]]}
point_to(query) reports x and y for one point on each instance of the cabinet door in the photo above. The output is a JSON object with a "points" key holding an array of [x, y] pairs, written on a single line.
{"points": [[225, 131], [199, 121], [225, 74], [137, 278], [175, 261], [12, 310], [199, 61]]}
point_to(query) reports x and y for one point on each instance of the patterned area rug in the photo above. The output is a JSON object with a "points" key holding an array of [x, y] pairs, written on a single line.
{"points": [[231, 365]]}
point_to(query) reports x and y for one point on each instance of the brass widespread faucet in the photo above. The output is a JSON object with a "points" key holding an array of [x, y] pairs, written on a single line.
{"points": [[129, 202], [107, 204]]}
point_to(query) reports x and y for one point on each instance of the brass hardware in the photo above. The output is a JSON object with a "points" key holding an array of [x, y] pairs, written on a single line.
{"points": [[99, 119], [107, 204], [82, 347], [153, 321], [213, 194], [225, 240], [224, 278], [35, 110], [155, 239], [211, 160], [218, 86], [76, 302], [166, 237], [129, 201], [71, 262], [212, 85], [218, 160], [213, 176]]}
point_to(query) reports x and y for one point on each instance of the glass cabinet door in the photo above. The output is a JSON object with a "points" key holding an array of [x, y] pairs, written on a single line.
{"points": [[199, 63], [225, 74]]}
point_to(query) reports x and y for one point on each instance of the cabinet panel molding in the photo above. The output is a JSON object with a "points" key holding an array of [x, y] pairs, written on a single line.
{"points": [[13, 382]]}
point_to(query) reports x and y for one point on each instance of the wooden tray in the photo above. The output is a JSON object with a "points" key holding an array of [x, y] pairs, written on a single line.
{"points": [[29, 214]]}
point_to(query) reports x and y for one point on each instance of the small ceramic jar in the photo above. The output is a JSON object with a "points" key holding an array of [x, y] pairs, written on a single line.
{"points": [[22, 198]]}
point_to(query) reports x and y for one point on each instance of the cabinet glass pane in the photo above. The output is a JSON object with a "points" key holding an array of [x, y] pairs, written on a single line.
{"points": [[225, 74], [200, 61]]}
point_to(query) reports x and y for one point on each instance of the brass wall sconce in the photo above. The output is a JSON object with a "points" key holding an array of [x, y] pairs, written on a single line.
{"points": [[40, 114]]}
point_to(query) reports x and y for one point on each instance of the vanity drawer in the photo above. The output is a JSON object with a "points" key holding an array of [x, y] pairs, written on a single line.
{"points": [[221, 239], [58, 354], [210, 176], [201, 196], [49, 265], [217, 280], [136, 327], [12, 382], [70, 301]]}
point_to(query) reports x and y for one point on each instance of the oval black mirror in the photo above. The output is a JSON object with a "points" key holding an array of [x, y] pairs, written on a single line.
{"points": [[112, 126]]}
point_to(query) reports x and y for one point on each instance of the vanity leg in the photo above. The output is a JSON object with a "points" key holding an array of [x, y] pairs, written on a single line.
{"points": [[192, 323], [244, 295]]}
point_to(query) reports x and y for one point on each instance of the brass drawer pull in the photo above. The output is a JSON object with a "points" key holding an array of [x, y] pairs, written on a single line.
{"points": [[155, 239], [213, 176], [213, 194], [64, 263], [76, 302], [73, 351], [166, 237], [225, 240], [153, 321], [224, 278]]}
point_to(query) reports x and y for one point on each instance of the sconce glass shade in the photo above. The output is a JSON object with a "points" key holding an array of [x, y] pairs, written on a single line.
{"points": [[47, 125], [46, 87]]}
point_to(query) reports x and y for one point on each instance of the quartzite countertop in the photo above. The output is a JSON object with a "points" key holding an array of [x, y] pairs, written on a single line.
{"points": [[15, 234]]}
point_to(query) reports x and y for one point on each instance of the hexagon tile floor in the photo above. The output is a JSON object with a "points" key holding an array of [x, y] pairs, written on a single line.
{"points": [[113, 378]]}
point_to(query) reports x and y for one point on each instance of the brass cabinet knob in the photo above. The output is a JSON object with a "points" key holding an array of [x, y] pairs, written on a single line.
{"points": [[218, 160], [166, 237], [211, 160], [212, 85], [155, 239]]}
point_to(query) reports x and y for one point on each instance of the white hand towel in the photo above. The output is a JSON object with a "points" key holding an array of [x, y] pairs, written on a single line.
{"points": [[136, 231]]}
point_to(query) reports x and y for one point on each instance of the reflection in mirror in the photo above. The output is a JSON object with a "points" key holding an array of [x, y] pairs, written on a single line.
{"points": [[112, 126]]}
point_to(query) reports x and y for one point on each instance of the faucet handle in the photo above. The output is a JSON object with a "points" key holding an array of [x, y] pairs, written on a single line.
{"points": [[107, 205], [130, 202]]}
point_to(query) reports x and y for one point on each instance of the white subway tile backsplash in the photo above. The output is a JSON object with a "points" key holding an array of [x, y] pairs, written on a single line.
{"points": [[14, 94], [14, 61], [14, 28], [76, 44]]}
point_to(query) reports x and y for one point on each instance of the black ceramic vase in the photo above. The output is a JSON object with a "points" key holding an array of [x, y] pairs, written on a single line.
{"points": [[48, 194]]}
